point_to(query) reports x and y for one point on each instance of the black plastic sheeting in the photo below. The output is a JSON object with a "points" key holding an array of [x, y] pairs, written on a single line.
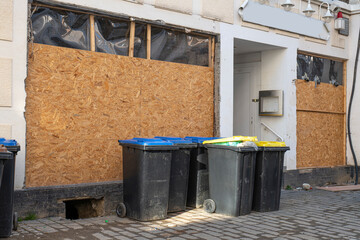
{"points": [[328, 71], [173, 46], [140, 40], [69, 29], [61, 28], [112, 36]]}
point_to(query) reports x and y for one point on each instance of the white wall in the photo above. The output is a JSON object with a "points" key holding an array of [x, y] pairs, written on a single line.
{"points": [[355, 110], [247, 58], [12, 116], [278, 69]]}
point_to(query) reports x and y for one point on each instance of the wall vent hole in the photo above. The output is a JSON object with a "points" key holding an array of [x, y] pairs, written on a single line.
{"points": [[84, 208]]}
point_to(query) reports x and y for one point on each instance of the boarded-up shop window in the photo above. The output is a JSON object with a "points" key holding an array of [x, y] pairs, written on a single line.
{"points": [[326, 70], [173, 46], [64, 28], [140, 40], [61, 28], [112, 36]]}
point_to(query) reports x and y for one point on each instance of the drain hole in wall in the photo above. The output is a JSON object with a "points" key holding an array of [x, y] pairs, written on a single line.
{"points": [[84, 208]]}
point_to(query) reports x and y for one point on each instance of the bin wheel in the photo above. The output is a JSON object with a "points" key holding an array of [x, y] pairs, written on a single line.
{"points": [[209, 205], [121, 210], [15, 221]]}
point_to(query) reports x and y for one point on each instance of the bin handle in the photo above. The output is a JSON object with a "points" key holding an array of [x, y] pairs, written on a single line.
{"points": [[271, 130], [3, 148]]}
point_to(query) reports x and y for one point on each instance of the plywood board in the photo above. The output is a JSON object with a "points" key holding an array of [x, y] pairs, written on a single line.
{"points": [[320, 139], [79, 103], [325, 97], [340, 188]]}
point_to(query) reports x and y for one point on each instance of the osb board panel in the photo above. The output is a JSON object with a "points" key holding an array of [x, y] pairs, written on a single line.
{"points": [[325, 97], [320, 139], [79, 103]]}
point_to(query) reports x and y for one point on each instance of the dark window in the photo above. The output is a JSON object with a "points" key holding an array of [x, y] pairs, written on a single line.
{"points": [[61, 28], [70, 29], [140, 40], [112, 36], [326, 70], [174, 46]]}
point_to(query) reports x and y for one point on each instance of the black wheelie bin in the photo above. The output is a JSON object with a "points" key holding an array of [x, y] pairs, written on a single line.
{"points": [[268, 175], [231, 179], [146, 170], [8, 219], [179, 177], [198, 188], [5, 156]]}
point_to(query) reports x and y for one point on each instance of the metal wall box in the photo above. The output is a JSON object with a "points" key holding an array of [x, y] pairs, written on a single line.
{"points": [[345, 31], [271, 103]]}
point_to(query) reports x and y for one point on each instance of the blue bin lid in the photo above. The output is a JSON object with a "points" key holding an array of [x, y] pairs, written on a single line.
{"points": [[199, 139], [175, 140], [146, 141], [8, 142], [169, 138]]}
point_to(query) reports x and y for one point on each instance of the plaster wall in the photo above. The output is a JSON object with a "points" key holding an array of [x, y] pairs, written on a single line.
{"points": [[13, 48], [278, 68], [247, 58], [184, 6], [355, 110], [219, 10]]}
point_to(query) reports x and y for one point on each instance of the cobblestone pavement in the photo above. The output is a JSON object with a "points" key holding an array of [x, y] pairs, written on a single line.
{"points": [[308, 215]]}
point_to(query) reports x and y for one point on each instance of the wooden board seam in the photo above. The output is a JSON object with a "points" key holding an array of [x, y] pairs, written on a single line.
{"points": [[319, 111]]}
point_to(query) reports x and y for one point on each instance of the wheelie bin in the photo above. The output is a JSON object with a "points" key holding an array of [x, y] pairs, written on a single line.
{"points": [[179, 177], [8, 219], [198, 188], [231, 179], [268, 176], [5, 156], [146, 168]]}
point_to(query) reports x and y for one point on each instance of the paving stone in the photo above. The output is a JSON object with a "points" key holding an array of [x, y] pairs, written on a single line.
{"points": [[122, 238], [216, 234], [110, 233], [101, 236], [303, 215], [205, 236]]}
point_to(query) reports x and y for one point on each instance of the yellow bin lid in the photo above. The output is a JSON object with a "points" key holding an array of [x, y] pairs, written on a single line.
{"points": [[270, 144], [232, 139]]}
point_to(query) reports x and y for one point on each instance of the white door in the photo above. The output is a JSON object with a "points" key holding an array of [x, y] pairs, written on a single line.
{"points": [[246, 95]]}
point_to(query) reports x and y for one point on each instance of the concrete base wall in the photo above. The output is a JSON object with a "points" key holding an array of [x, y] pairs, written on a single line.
{"points": [[48, 201], [319, 176]]}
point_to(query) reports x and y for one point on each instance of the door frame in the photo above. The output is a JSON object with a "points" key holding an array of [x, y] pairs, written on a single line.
{"points": [[255, 85]]}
